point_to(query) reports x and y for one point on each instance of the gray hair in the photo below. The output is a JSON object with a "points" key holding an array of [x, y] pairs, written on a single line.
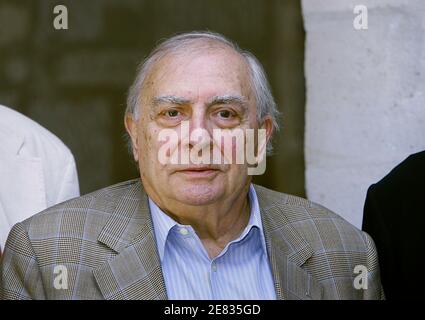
{"points": [[266, 105]]}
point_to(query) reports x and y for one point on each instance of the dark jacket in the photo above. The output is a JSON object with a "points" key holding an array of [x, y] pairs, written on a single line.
{"points": [[394, 216]]}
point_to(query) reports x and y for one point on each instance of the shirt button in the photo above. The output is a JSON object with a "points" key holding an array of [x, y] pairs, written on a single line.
{"points": [[183, 231], [214, 267]]}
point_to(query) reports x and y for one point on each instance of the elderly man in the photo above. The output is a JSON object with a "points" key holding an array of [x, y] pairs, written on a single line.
{"points": [[191, 229]]}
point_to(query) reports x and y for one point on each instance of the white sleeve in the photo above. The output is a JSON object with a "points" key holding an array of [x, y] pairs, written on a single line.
{"points": [[69, 187], [4, 227]]}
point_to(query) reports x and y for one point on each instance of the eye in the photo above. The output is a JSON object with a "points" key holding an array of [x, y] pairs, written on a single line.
{"points": [[172, 113], [225, 114], [227, 118]]}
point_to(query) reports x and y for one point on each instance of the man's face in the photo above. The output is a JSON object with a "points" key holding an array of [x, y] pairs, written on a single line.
{"points": [[200, 90]]}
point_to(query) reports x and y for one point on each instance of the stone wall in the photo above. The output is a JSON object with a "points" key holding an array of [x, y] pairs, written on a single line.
{"points": [[365, 97]]}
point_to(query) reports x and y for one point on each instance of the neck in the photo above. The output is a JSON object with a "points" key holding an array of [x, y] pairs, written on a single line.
{"points": [[215, 224]]}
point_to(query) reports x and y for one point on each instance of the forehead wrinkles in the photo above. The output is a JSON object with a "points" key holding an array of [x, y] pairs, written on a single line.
{"points": [[174, 61]]}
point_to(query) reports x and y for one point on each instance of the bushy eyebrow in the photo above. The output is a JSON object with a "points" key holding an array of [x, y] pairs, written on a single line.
{"points": [[170, 99], [216, 100], [229, 99]]}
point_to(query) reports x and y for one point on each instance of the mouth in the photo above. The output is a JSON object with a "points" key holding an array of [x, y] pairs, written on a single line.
{"points": [[199, 172]]}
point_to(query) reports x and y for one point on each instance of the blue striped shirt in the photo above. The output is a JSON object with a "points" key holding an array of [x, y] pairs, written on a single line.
{"points": [[241, 271]]}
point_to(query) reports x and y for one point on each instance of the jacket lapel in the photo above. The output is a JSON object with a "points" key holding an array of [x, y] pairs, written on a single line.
{"points": [[287, 250], [134, 272]]}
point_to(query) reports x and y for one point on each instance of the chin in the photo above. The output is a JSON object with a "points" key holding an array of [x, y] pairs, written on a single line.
{"points": [[198, 195]]}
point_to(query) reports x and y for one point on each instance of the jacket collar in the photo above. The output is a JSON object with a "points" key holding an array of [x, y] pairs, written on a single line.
{"points": [[134, 272]]}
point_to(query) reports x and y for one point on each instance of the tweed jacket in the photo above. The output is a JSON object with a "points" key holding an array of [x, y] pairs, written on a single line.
{"points": [[105, 244]]}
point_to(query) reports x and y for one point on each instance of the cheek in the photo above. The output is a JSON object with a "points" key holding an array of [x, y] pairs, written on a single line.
{"points": [[147, 143], [151, 147], [235, 144]]}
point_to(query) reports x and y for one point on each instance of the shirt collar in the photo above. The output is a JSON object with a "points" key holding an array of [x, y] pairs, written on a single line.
{"points": [[163, 223]]}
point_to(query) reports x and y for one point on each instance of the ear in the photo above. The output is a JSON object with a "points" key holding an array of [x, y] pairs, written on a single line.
{"points": [[131, 126], [268, 125]]}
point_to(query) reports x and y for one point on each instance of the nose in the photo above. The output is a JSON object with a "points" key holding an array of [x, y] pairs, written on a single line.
{"points": [[199, 129]]}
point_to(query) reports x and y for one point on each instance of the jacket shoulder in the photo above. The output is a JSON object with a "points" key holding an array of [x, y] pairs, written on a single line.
{"points": [[314, 222], [301, 207], [403, 180], [88, 212], [334, 247]]}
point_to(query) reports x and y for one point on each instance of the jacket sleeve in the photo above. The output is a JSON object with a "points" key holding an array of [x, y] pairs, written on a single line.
{"points": [[20, 275], [374, 289]]}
